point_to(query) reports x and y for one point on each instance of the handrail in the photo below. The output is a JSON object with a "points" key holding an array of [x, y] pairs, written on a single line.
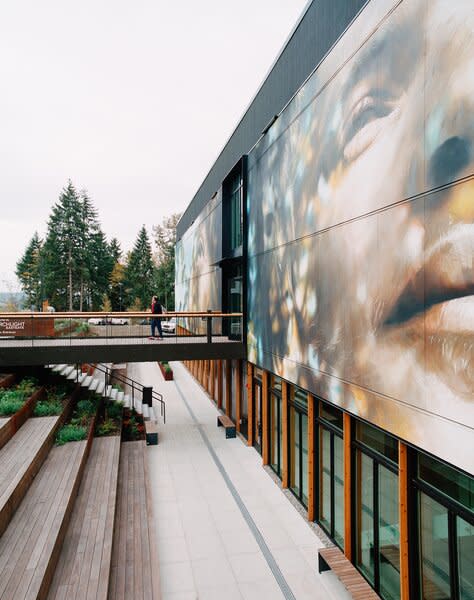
{"points": [[131, 383], [123, 315]]}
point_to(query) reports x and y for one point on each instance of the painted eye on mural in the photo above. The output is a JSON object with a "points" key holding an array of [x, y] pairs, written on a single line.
{"points": [[365, 121]]}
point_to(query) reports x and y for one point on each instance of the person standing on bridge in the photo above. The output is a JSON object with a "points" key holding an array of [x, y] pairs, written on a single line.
{"points": [[156, 309]]}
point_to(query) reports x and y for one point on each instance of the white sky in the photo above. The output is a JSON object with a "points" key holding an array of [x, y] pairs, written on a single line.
{"points": [[131, 100]]}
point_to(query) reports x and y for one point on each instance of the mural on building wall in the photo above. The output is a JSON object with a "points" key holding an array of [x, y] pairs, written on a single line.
{"points": [[361, 246], [198, 280]]}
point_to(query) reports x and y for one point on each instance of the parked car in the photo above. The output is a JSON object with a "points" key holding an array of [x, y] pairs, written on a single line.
{"points": [[107, 321], [169, 326], [96, 321], [117, 321]]}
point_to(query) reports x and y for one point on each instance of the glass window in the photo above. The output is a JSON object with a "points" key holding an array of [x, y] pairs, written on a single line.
{"points": [[325, 478], [435, 568], [304, 458], [465, 544], [339, 490], [365, 516], [245, 395], [389, 534], [295, 483], [377, 440], [331, 414], [276, 432], [446, 479]]}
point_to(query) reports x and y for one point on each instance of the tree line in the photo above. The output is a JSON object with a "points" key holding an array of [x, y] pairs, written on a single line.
{"points": [[75, 267]]}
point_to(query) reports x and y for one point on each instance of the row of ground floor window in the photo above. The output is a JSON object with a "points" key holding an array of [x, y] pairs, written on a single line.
{"points": [[404, 518]]}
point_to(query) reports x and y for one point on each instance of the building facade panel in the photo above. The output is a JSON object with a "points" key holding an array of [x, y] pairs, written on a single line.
{"points": [[360, 266]]}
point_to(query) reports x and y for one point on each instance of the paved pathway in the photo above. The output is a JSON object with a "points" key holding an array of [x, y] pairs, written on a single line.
{"points": [[224, 528]]}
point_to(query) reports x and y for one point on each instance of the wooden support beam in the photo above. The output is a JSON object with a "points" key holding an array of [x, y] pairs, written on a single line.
{"points": [[238, 394], [208, 379], [311, 457], [228, 387], [250, 407], [403, 483], [284, 422], [265, 428], [347, 486], [219, 384], [212, 375]]}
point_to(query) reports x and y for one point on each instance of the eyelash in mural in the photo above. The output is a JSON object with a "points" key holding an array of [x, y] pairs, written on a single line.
{"points": [[365, 121]]}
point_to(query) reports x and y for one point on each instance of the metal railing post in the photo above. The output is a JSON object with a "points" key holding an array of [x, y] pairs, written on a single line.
{"points": [[209, 327]]}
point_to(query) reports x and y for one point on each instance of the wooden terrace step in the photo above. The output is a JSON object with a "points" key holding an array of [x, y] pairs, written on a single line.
{"points": [[20, 460], [30, 546], [134, 572], [83, 568]]}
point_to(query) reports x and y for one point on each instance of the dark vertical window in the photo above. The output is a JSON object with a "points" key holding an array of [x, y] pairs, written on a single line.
{"points": [[445, 531], [298, 464], [236, 216], [377, 532], [331, 471], [275, 425], [257, 409]]}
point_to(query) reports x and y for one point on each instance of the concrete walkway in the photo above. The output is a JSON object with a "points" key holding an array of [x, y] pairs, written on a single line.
{"points": [[224, 528]]}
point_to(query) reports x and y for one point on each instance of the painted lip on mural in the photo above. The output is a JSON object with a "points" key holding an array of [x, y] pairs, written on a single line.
{"points": [[443, 288]]}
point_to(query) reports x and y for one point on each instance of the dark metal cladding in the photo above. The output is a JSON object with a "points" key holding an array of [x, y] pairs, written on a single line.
{"points": [[319, 28]]}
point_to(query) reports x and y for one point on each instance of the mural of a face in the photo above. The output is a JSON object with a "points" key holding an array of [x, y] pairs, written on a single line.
{"points": [[366, 252]]}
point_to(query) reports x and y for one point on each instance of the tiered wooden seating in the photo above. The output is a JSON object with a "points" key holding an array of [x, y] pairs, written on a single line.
{"points": [[31, 543], [84, 564], [332, 558], [9, 426], [134, 571], [20, 460]]}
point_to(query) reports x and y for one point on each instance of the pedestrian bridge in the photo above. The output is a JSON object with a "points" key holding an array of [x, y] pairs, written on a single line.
{"points": [[32, 338]]}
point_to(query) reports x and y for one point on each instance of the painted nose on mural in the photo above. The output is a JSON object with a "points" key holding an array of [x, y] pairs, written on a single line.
{"points": [[449, 160]]}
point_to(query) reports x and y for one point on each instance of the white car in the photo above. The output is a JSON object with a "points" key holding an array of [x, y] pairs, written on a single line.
{"points": [[169, 326]]}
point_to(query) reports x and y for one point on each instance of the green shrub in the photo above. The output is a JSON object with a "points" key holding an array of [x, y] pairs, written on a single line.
{"points": [[85, 408], [108, 427], [114, 410], [9, 405], [48, 408], [70, 433]]}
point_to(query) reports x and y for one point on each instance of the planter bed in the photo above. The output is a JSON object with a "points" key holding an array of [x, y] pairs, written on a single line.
{"points": [[12, 423], [166, 371]]}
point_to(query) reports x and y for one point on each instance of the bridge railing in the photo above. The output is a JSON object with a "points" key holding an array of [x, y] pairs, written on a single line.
{"points": [[29, 328]]}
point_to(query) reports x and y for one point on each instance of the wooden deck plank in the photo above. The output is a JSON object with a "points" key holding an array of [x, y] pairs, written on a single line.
{"points": [[84, 565], [353, 581], [20, 460], [34, 534], [134, 570]]}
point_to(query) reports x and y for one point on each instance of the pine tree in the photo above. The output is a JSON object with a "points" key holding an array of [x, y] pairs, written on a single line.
{"points": [[28, 271], [140, 271], [165, 241], [62, 252]]}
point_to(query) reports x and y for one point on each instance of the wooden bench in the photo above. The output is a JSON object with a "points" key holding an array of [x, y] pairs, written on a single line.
{"points": [[333, 559], [84, 564], [224, 421]]}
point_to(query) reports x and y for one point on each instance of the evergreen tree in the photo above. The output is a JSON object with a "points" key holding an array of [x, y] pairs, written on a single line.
{"points": [[62, 252], [165, 241], [28, 271], [140, 271], [115, 250], [100, 267]]}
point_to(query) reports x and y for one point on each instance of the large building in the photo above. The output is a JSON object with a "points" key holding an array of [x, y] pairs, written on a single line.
{"points": [[339, 218]]}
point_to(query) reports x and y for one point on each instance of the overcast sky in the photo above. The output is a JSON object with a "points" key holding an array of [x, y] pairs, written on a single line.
{"points": [[131, 100]]}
